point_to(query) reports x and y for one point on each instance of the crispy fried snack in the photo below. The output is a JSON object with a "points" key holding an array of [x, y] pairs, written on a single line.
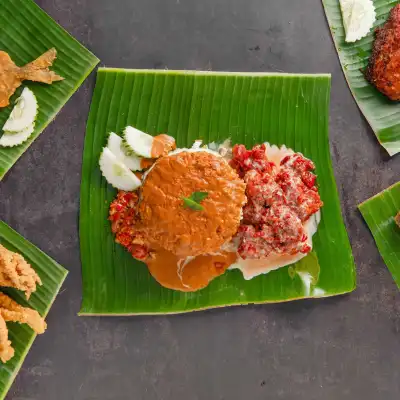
{"points": [[17, 273], [383, 70], [397, 219], [6, 351], [11, 76], [11, 311]]}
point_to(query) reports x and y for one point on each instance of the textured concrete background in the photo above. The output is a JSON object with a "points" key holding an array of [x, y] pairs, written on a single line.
{"points": [[340, 348]]}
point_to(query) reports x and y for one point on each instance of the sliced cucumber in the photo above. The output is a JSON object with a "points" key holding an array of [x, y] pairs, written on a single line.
{"points": [[11, 139], [132, 161], [141, 143], [117, 173], [358, 18], [24, 112]]}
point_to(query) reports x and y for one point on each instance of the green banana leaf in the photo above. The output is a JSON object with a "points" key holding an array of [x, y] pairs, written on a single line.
{"points": [[248, 107], [52, 276], [382, 114], [26, 32], [379, 212]]}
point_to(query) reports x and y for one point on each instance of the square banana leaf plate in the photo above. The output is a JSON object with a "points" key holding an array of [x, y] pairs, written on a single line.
{"points": [[379, 212], [382, 114], [26, 32], [52, 276], [249, 108]]}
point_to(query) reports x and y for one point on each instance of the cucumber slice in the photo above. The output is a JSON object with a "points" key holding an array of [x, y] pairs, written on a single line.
{"points": [[358, 18], [24, 112], [11, 139], [115, 145], [141, 143], [117, 173]]}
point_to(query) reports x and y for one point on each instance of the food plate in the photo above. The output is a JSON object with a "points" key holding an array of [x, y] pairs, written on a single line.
{"points": [[52, 275], [26, 33], [249, 108], [382, 114], [379, 212]]}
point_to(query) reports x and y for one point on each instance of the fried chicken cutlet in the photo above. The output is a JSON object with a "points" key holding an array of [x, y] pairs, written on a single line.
{"points": [[383, 70]]}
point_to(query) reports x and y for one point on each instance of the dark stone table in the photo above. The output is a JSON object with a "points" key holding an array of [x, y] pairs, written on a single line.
{"points": [[340, 348]]}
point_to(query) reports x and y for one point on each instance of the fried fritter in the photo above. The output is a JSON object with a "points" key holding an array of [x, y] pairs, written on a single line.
{"points": [[397, 219], [383, 70], [6, 351], [11, 76], [17, 273], [11, 311]]}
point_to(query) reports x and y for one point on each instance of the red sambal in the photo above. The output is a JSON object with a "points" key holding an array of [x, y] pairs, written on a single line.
{"points": [[281, 198], [123, 219]]}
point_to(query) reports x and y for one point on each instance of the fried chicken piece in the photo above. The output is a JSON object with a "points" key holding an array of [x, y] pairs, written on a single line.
{"points": [[11, 76], [17, 273], [397, 219], [6, 351], [11, 311], [383, 70]]}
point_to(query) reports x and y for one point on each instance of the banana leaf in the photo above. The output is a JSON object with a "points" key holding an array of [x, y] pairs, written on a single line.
{"points": [[379, 212], [247, 107], [26, 32], [382, 114], [52, 276]]}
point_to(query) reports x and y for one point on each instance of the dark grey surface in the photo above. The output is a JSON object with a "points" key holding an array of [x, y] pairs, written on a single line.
{"points": [[341, 348]]}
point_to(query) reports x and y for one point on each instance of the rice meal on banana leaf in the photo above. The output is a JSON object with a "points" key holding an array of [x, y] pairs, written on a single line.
{"points": [[197, 212]]}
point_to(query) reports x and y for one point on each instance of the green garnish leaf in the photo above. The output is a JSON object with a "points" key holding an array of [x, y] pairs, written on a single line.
{"points": [[198, 196], [194, 201]]}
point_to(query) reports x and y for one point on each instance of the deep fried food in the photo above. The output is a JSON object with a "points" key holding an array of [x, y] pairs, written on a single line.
{"points": [[383, 70], [11, 311], [6, 351], [397, 219], [17, 273], [11, 76], [184, 232]]}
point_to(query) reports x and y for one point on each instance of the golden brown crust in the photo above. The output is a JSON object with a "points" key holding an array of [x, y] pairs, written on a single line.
{"points": [[383, 70], [397, 219], [6, 350], [11, 76], [13, 312], [17, 273], [183, 231]]}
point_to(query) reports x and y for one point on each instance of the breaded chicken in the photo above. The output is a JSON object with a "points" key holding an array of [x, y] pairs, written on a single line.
{"points": [[15, 272], [383, 70], [11, 311], [11, 76], [6, 351], [397, 219]]}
